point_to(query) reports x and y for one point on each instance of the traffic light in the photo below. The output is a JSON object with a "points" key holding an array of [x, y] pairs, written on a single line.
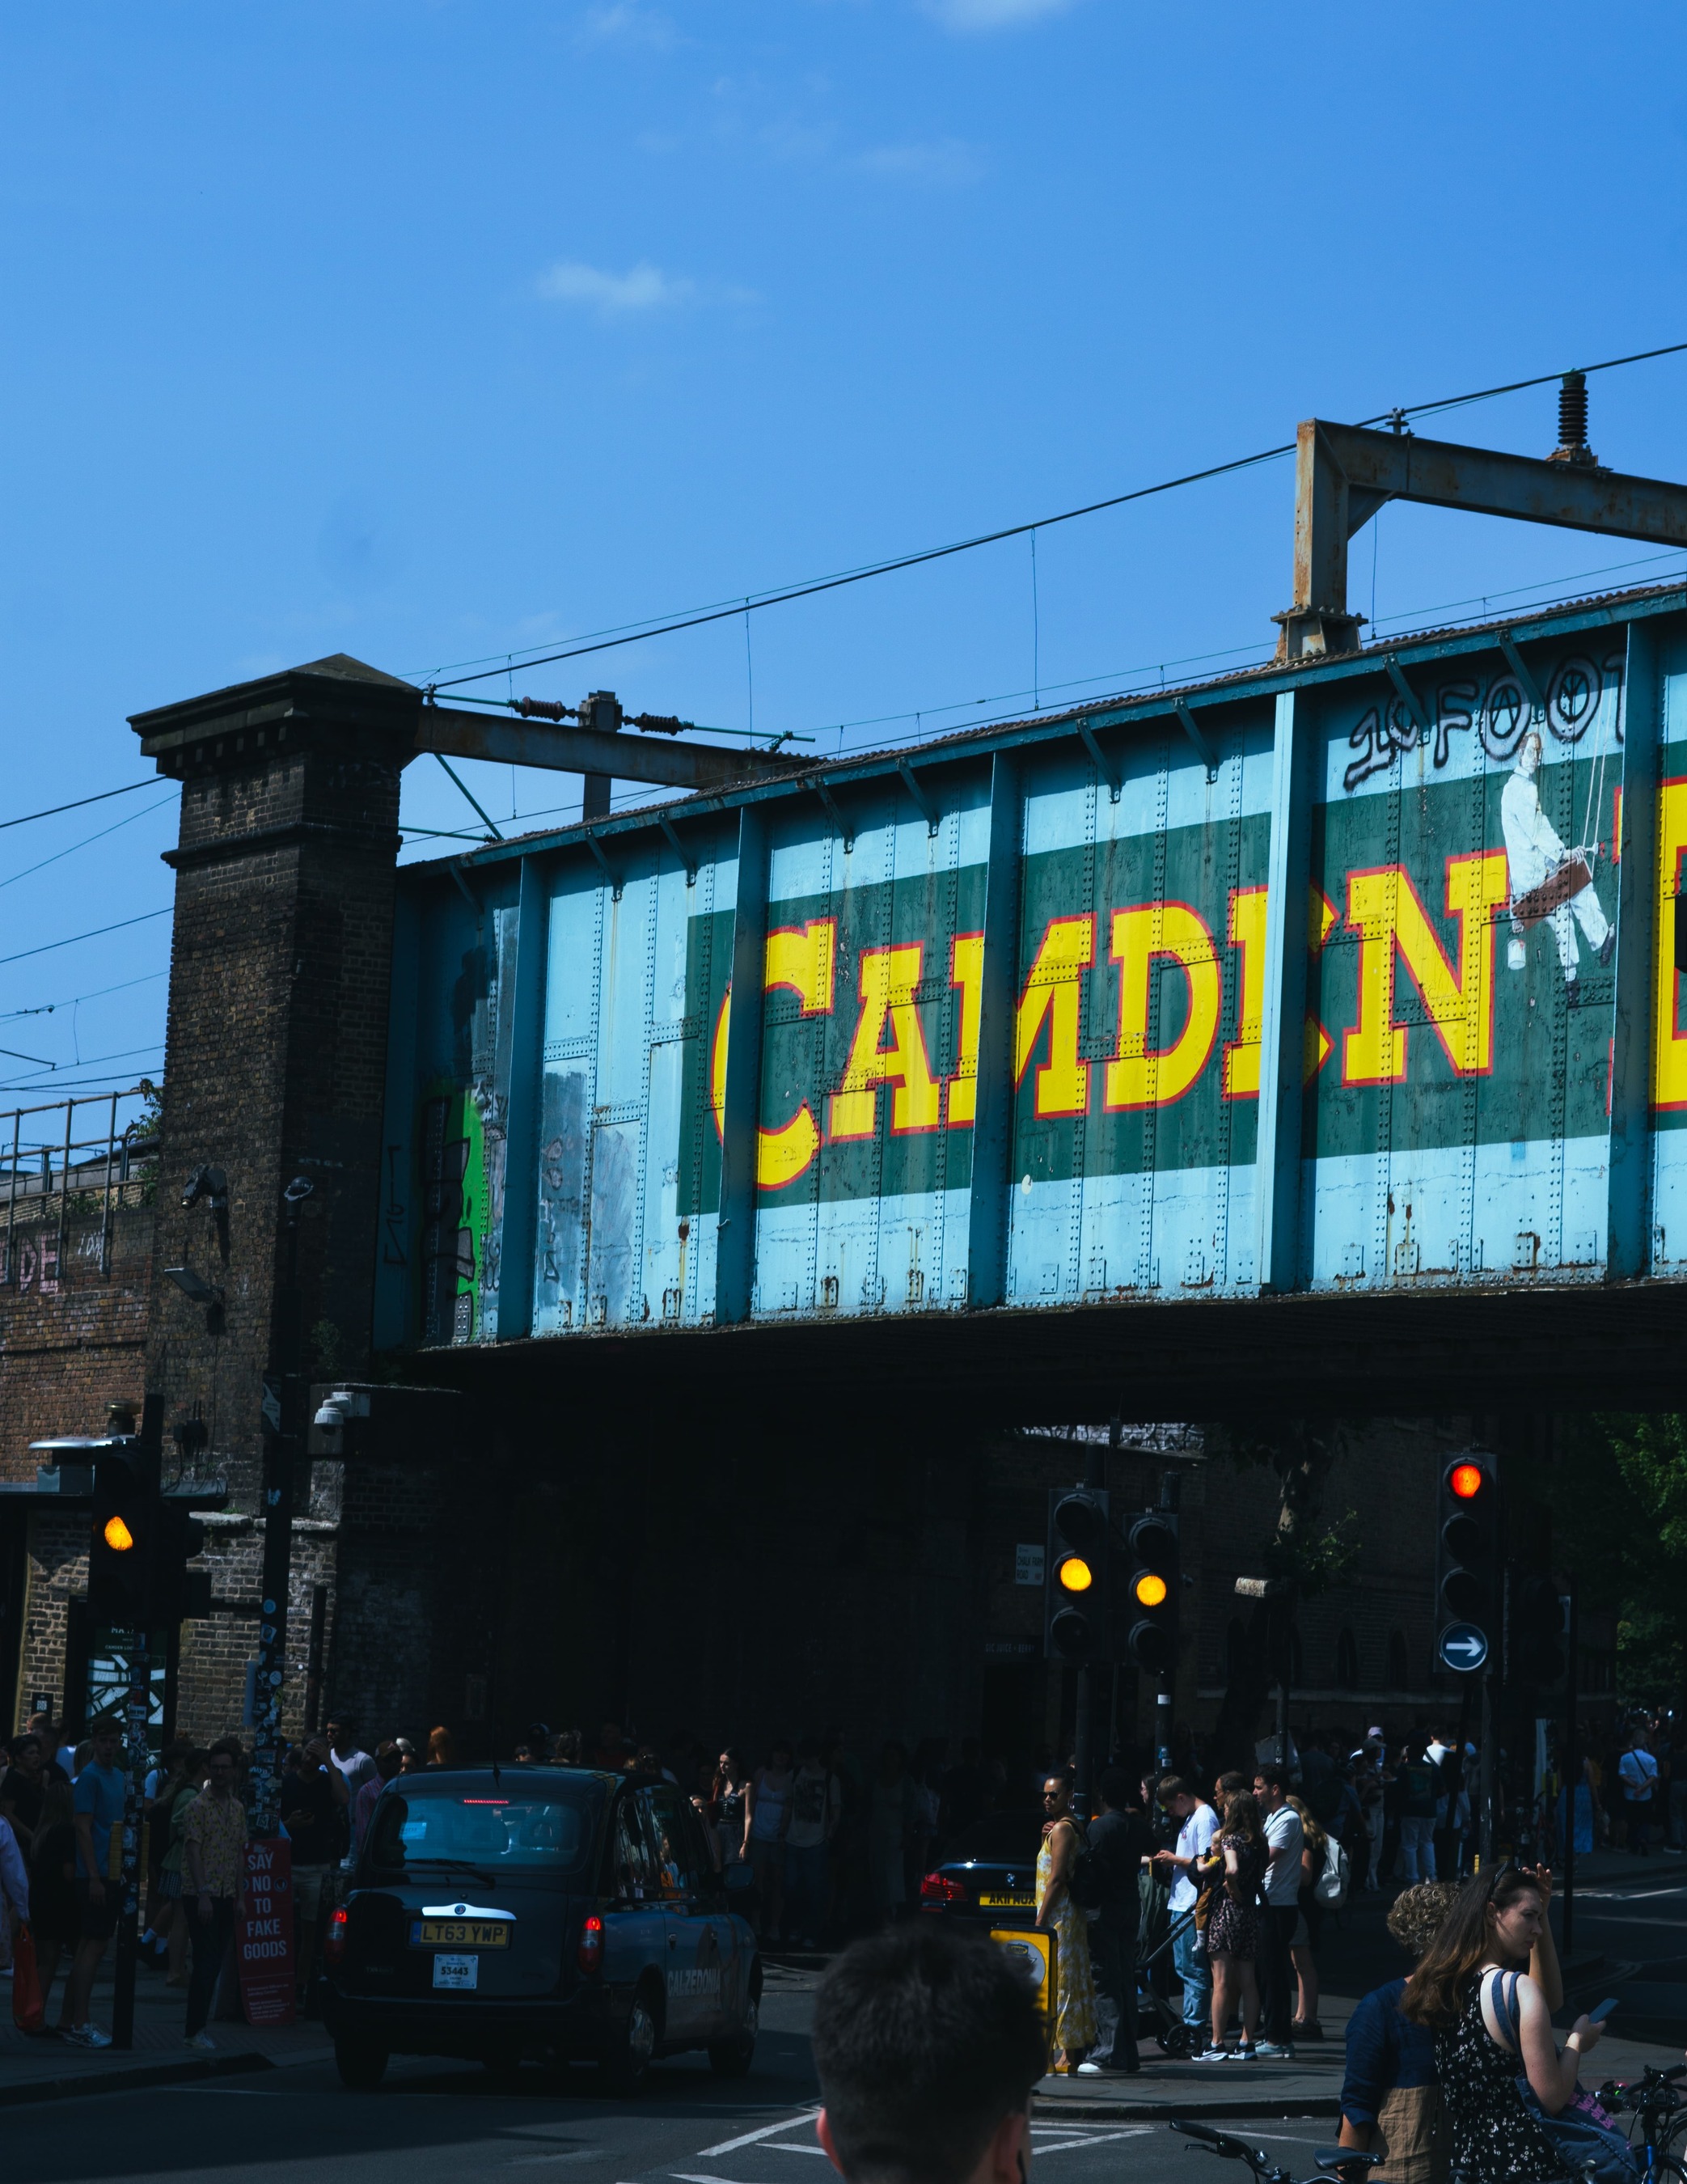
{"points": [[1077, 1575], [120, 1543], [1536, 1654], [1155, 1581], [1470, 1552], [176, 1593]]}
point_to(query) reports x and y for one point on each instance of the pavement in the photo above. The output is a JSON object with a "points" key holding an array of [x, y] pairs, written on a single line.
{"points": [[46, 2069], [1621, 1892]]}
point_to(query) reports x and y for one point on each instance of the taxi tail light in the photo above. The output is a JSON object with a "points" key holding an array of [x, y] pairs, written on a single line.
{"points": [[937, 1889], [591, 1950], [334, 1944]]}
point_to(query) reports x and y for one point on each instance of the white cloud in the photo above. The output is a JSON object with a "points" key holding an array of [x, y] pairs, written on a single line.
{"points": [[613, 295], [993, 14], [947, 161], [622, 23]]}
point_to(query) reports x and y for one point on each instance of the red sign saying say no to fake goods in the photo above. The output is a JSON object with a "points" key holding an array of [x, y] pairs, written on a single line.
{"points": [[263, 1934]]}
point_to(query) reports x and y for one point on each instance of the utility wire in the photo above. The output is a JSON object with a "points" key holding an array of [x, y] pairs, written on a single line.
{"points": [[784, 594], [46, 1008], [53, 809], [755, 601], [114, 829], [94, 933]]}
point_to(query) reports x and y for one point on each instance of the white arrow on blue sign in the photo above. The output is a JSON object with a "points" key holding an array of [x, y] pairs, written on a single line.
{"points": [[1463, 1647]]}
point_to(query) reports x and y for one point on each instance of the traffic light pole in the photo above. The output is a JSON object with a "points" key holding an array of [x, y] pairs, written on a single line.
{"points": [[1571, 1770], [1094, 1476], [136, 1755]]}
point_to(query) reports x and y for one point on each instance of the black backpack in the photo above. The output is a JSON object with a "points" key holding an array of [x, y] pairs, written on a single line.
{"points": [[1088, 1887]]}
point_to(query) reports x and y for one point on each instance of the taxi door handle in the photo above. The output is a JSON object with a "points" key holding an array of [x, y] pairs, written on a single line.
{"points": [[673, 1940]]}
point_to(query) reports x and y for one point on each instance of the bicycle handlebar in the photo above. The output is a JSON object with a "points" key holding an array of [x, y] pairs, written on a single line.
{"points": [[1330, 2161]]}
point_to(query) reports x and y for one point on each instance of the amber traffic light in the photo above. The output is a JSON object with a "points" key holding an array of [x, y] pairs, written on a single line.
{"points": [[1152, 1642], [1077, 1623]]}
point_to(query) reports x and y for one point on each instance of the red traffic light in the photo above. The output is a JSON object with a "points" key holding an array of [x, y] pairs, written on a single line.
{"points": [[1466, 1480]]}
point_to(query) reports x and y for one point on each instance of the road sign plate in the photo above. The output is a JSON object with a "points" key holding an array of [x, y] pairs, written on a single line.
{"points": [[1462, 1646]]}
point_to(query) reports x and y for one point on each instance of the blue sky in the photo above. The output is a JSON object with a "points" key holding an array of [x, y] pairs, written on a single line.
{"points": [[431, 331]]}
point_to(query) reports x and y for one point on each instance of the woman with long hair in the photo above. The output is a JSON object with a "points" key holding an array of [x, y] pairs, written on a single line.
{"points": [[1314, 1847], [1233, 1926], [1075, 2024], [1469, 1991]]}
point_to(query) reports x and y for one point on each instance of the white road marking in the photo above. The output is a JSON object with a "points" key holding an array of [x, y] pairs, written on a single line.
{"points": [[820, 2150], [752, 2137], [1095, 2138]]}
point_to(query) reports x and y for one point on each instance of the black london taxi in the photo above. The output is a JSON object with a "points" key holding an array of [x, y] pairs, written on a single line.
{"points": [[989, 1874], [538, 1911]]}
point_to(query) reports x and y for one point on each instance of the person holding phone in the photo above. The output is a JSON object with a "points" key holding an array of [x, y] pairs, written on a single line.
{"points": [[1461, 1991]]}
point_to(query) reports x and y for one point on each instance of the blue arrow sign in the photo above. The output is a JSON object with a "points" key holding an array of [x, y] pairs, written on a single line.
{"points": [[1463, 1647]]}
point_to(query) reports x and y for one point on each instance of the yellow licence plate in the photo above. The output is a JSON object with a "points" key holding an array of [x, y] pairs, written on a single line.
{"points": [[1008, 1902], [461, 1934]]}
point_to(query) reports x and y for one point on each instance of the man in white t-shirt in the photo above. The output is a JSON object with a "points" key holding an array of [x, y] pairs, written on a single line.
{"points": [[348, 1756], [1285, 1839], [1637, 1770], [1197, 1826]]}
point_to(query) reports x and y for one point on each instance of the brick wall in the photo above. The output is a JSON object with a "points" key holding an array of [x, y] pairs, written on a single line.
{"points": [[72, 1339]]}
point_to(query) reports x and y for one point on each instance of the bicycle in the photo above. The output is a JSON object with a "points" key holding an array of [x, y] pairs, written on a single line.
{"points": [[1336, 2164], [1657, 2098]]}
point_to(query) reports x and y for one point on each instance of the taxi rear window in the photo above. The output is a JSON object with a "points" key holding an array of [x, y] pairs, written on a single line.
{"points": [[507, 1829]]}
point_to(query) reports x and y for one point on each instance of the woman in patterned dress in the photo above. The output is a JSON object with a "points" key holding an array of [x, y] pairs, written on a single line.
{"points": [[1462, 1991], [1075, 2025], [1232, 1929]]}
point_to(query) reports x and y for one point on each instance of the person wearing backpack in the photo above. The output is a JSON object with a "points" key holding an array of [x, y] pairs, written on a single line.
{"points": [[1060, 1912], [1518, 2114], [1120, 1839]]}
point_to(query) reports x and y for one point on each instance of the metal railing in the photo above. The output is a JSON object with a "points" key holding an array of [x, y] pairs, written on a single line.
{"points": [[115, 1164]]}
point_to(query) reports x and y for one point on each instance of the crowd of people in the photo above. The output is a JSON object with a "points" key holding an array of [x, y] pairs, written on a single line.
{"points": [[62, 1811]]}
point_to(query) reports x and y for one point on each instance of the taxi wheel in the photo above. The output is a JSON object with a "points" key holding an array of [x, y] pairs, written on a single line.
{"points": [[732, 2058], [627, 2064], [360, 2063]]}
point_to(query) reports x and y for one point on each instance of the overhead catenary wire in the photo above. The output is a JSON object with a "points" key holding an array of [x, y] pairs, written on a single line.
{"points": [[783, 595], [53, 810], [11, 878], [94, 933], [76, 1000]]}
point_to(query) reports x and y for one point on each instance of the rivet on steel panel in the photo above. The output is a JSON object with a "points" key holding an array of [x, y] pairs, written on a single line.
{"points": [[1204, 750], [610, 873], [678, 847], [1519, 667], [1408, 697], [1108, 771], [839, 821], [911, 782]]}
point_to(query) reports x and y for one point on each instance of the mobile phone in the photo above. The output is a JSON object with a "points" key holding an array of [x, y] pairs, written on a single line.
{"points": [[1603, 2010]]}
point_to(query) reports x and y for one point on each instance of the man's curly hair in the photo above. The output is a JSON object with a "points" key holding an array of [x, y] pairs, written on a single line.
{"points": [[1416, 1915]]}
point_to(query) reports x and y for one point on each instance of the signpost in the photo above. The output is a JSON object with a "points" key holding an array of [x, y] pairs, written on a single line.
{"points": [[1463, 1648]]}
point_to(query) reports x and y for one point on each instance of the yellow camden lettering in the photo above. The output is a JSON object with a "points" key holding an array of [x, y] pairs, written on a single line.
{"points": [[1143, 1076], [1051, 997], [1669, 1041], [889, 977], [800, 957], [1384, 909], [1247, 934], [966, 970]]}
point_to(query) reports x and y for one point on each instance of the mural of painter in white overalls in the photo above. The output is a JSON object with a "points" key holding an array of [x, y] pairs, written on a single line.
{"points": [[1549, 884]]}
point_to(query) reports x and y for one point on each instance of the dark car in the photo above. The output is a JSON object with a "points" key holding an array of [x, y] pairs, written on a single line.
{"points": [[989, 1872], [540, 1910]]}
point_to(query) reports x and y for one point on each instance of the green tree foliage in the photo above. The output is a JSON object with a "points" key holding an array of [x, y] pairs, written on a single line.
{"points": [[1618, 1492]]}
